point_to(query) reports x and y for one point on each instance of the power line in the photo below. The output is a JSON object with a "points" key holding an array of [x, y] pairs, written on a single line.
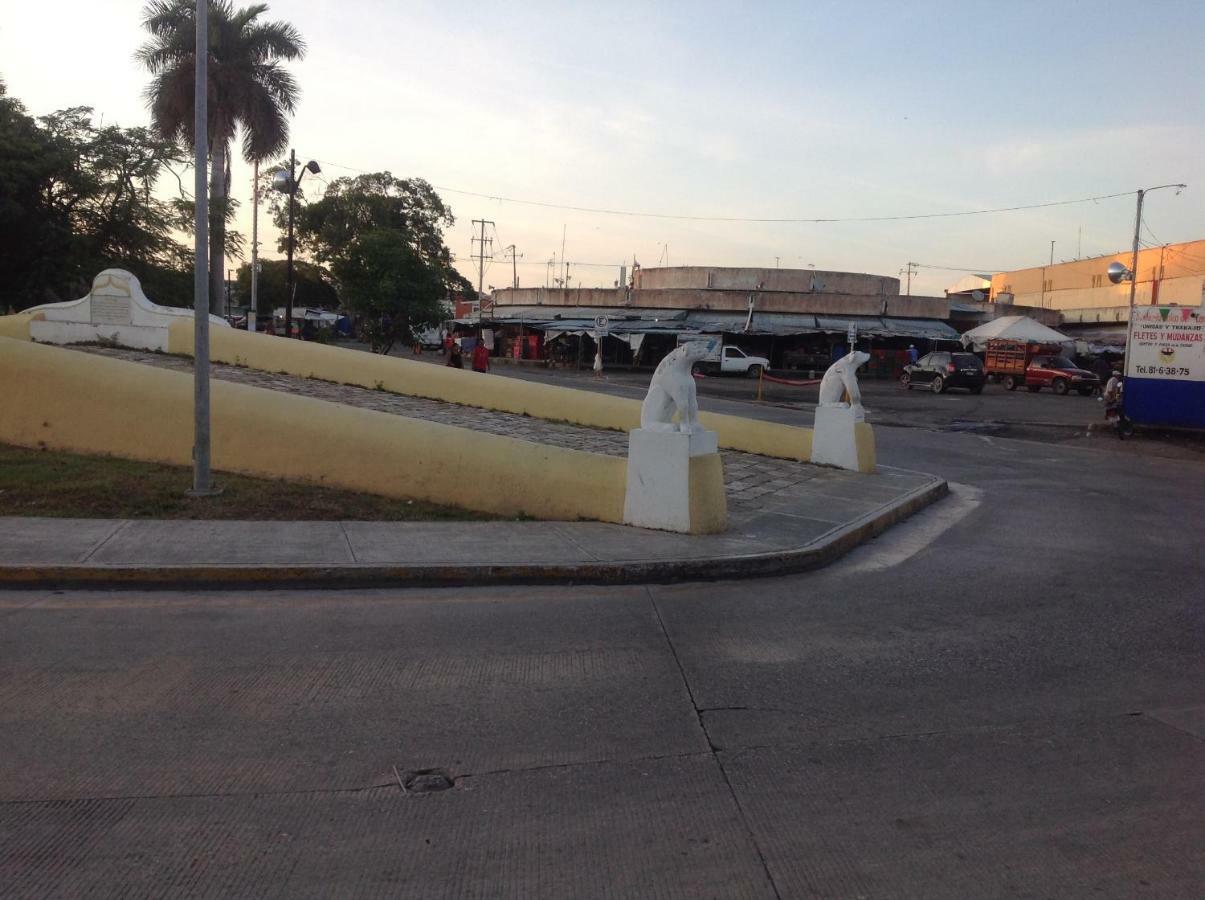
{"points": [[754, 219], [778, 221], [980, 270]]}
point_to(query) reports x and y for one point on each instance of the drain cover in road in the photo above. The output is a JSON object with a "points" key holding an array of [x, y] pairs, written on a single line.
{"points": [[426, 781]]}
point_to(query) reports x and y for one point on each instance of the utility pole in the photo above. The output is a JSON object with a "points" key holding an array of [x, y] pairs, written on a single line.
{"points": [[1134, 261], [564, 273], [912, 267], [1052, 253], [514, 271], [1134, 266], [289, 265], [482, 256]]}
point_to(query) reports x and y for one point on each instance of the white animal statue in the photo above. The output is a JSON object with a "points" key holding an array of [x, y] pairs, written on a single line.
{"points": [[841, 379], [673, 390]]}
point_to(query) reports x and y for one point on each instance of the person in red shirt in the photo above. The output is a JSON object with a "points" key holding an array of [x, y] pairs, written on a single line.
{"points": [[481, 357]]}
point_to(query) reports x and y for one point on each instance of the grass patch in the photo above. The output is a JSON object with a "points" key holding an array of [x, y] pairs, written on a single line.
{"points": [[51, 483]]}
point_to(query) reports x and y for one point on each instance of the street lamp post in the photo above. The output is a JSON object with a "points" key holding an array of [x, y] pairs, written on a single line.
{"points": [[202, 483], [287, 183], [1118, 272], [254, 313]]}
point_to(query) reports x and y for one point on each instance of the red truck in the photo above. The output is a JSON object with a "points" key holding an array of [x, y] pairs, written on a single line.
{"points": [[1036, 366]]}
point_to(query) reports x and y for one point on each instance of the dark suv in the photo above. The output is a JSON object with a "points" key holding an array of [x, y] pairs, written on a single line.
{"points": [[943, 369]]}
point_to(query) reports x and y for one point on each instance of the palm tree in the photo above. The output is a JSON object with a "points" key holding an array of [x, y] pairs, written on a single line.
{"points": [[249, 89]]}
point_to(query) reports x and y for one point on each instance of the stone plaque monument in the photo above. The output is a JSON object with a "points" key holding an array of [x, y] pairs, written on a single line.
{"points": [[114, 311]]}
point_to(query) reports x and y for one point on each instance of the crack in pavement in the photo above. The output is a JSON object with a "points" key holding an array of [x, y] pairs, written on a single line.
{"points": [[612, 761], [714, 750], [388, 780]]}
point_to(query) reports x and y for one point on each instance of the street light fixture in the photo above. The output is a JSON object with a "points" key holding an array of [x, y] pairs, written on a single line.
{"points": [[1119, 273], [287, 183]]}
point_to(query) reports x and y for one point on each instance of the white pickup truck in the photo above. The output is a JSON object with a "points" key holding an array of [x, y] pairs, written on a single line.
{"points": [[729, 360]]}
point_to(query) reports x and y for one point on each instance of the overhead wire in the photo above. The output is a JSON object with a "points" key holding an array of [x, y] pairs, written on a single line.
{"points": [[756, 219], [973, 270]]}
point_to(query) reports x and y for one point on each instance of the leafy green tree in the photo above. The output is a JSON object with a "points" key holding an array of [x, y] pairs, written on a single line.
{"points": [[390, 287], [30, 240], [106, 193], [383, 240], [351, 206], [313, 283], [249, 89], [75, 199]]}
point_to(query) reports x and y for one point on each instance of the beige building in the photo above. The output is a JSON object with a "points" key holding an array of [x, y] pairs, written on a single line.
{"points": [[1171, 274]]}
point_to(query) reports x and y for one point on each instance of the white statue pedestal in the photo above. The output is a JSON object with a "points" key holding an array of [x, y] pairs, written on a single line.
{"points": [[841, 438], [675, 482]]}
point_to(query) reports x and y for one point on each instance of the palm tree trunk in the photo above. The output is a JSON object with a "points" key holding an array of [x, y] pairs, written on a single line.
{"points": [[217, 228]]}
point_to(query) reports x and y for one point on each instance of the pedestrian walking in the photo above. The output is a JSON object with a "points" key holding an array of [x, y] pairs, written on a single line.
{"points": [[913, 354], [481, 357], [454, 358]]}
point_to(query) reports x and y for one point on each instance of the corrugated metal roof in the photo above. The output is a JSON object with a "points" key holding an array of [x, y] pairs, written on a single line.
{"points": [[868, 326], [929, 329], [762, 323], [615, 313], [729, 322]]}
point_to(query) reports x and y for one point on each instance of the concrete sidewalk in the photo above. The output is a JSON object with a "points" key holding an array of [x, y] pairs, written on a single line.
{"points": [[785, 528]]}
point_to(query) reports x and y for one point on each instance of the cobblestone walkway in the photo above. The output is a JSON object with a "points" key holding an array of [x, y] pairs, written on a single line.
{"points": [[748, 477]]}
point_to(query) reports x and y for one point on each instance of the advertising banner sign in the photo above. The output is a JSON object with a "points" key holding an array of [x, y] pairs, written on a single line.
{"points": [[1165, 380], [1167, 342]]}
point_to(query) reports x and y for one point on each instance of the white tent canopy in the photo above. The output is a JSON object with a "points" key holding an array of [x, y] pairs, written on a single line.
{"points": [[1014, 328]]}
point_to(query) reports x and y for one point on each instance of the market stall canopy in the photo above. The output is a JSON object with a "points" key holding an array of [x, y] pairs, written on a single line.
{"points": [[581, 320], [1013, 328]]}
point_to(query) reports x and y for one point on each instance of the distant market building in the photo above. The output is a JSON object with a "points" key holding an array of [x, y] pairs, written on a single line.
{"points": [[797, 318]]}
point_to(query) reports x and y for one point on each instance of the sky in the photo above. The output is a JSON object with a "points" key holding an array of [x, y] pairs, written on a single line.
{"points": [[796, 110]]}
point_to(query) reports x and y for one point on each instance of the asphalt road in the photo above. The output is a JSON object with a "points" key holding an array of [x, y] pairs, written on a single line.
{"points": [[1001, 698]]}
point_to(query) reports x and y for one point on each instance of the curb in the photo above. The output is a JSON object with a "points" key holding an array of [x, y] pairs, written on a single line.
{"points": [[213, 577]]}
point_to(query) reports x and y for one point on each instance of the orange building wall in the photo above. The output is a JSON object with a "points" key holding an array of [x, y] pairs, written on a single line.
{"points": [[1171, 274]]}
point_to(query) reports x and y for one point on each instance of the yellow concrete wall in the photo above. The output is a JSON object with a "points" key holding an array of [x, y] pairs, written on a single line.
{"points": [[16, 326], [67, 400], [401, 376]]}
